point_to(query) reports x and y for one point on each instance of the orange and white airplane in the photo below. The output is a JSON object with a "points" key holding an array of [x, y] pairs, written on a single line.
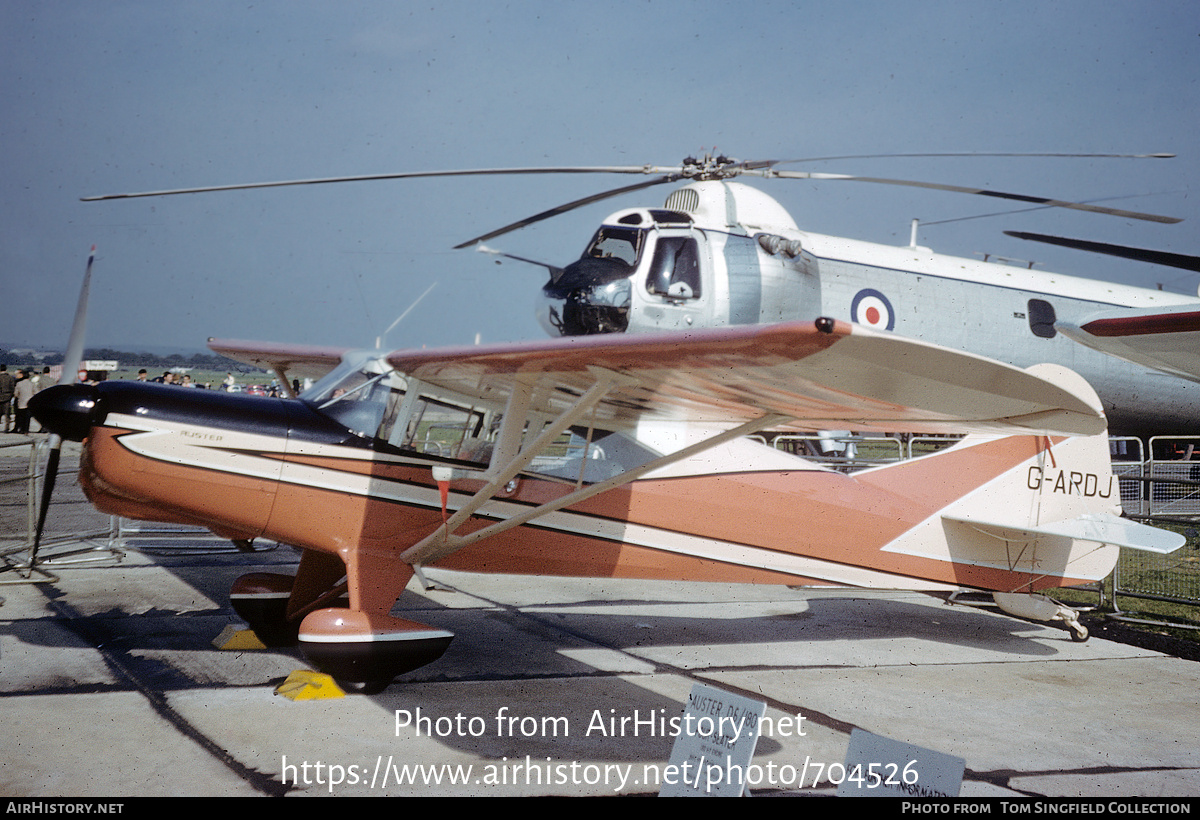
{"points": [[612, 456]]}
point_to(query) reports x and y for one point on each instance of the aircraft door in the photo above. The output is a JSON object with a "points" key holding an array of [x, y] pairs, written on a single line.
{"points": [[675, 291]]}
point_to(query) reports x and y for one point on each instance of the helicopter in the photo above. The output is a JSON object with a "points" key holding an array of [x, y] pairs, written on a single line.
{"points": [[721, 253]]}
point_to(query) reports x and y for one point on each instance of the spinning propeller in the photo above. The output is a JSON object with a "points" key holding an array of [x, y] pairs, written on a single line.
{"points": [[708, 167]]}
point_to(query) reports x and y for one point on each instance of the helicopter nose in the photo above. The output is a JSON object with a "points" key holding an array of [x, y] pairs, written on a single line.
{"points": [[67, 410]]}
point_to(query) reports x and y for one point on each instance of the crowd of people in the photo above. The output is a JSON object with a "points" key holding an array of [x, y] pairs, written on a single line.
{"points": [[15, 393], [17, 390]]}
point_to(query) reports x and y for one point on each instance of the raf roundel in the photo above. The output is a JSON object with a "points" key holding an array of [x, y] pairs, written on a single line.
{"points": [[871, 308]]}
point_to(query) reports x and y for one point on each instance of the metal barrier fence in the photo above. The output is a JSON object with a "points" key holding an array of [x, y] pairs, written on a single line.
{"points": [[1162, 486], [31, 561]]}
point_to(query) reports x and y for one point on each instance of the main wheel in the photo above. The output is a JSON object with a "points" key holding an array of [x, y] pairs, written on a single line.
{"points": [[260, 599], [368, 649]]}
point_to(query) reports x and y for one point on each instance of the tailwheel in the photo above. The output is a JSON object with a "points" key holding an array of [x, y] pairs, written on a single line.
{"points": [[365, 651], [1042, 608], [260, 599]]}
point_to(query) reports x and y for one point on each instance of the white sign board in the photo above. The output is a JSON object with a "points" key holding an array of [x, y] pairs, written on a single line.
{"points": [[715, 745], [881, 767]]}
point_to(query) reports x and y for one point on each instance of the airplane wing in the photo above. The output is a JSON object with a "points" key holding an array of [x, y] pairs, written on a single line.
{"points": [[1166, 339], [827, 375], [296, 361]]}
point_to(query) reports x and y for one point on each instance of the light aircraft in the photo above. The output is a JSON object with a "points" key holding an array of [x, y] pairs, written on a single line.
{"points": [[616, 455], [610, 456]]}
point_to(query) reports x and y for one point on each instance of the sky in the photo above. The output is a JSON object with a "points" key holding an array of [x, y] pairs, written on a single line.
{"points": [[135, 95]]}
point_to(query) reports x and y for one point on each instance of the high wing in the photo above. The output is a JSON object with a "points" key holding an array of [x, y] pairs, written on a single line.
{"points": [[811, 376], [286, 361], [1165, 339], [736, 381]]}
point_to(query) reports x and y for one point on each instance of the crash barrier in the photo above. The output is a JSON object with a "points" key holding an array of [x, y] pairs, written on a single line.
{"points": [[18, 469], [22, 473], [1174, 578], [150, 538], [848, 452], [843, 451], [1162, 486]]}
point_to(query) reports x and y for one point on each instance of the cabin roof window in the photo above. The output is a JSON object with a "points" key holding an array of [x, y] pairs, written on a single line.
{"points": [[591, 457]]}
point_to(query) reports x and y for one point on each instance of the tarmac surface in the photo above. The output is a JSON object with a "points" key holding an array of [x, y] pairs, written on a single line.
{"points": [[110, 685]]}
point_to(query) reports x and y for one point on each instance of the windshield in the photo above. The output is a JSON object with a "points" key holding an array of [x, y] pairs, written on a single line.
{"points": [[370, 399], [624, 244], [358, 395]]}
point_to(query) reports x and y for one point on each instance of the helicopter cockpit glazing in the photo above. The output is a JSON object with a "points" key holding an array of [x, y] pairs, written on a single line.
{"points": [[594, 294]]}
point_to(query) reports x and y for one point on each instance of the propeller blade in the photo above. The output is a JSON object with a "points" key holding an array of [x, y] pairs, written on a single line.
{"points": [[1174, 260], [48, 481], [1037, 200], [583, 169], [70, 367], [561, 209], [74, 354]]}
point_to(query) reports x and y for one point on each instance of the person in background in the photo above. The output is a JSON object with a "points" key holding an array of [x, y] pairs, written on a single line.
{"points": [[7, 384], [22, 393]]}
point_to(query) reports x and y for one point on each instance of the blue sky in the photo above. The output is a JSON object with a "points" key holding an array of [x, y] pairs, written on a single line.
{"points": [[130, 96]]}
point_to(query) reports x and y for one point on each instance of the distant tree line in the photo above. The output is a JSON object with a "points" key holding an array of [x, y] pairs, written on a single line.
{"points": [[198, 361]]}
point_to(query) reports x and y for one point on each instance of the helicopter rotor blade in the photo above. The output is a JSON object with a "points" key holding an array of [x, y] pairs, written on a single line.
{"points": [[978, 154], [569, 206], [1037, 200], [555, 271], [1174, 260], [600, 169]]}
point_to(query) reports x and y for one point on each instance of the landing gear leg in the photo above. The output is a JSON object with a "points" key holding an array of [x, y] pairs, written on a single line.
{"points": [[364, 647], [273, 604]]}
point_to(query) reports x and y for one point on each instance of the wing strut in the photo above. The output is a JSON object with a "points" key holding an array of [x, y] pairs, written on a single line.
{"points": [[443, 542]]}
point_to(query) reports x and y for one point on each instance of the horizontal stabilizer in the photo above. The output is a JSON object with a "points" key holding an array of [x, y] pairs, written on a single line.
{"points": [[1101, 528]]}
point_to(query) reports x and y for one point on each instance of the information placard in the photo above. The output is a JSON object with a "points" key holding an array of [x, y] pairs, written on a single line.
{"points": [[881, 767], [715, 745]]}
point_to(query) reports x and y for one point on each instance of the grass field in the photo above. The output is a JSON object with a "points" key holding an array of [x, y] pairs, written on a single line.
{"points": [[1166, 576]]}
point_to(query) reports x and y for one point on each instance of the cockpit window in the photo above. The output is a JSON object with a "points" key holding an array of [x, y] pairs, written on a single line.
{"points": [[444, 429], [607, 455], [676, 262], [616, 243]]}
